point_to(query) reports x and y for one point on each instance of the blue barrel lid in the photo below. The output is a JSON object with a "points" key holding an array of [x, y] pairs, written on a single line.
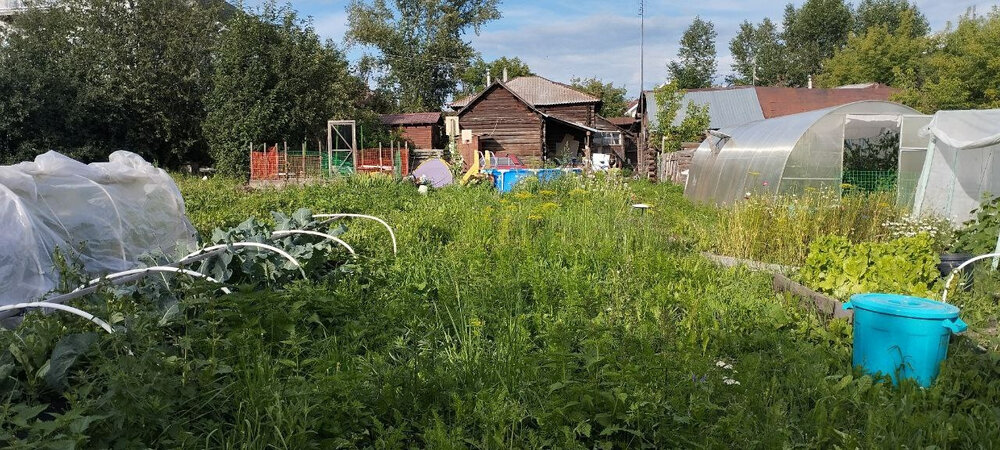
{"points": [[903, 306]]}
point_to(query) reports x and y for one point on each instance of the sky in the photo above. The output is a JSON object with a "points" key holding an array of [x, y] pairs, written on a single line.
{"points": [[562, 39]]}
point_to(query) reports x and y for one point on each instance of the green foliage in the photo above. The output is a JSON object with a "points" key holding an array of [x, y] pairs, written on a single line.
{"points": [[473, 79], [956, 72], [905, 266], [892, 15], [274, 81], [668, 103], [812, 33], [758, 55], [877, 54], [613, 100], [695, 64], [780, 228], [522, 322], [93, 76], [422, 45], [873, 154], [979, 235]]}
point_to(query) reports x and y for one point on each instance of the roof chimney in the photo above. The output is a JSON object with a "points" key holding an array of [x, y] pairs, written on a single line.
{"points": [[504, 74], [489, 81], [810, 81]]}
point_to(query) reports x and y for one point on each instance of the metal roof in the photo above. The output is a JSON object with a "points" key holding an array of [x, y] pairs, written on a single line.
{"points": [[726, 107], [779, 101], [423, 118], [735, 106], [538, 91]]}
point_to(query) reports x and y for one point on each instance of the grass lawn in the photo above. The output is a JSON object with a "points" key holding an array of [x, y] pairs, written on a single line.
{"points": [[552, 317]]}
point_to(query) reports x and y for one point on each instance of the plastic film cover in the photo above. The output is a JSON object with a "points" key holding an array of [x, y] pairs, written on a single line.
{"points": [[103, 215]]}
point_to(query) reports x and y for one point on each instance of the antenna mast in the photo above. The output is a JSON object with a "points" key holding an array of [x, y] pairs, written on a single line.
{"points": [[642, 44]]}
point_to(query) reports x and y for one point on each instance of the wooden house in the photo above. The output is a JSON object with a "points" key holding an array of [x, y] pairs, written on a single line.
{"points": [[422, 130], [540, 121]]}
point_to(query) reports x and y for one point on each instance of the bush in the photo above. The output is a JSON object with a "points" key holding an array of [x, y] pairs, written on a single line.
{"points": [[980, 234]]}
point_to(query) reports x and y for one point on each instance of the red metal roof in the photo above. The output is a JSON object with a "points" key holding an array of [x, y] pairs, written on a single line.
{"points": [[779, 101], [423, 118]]}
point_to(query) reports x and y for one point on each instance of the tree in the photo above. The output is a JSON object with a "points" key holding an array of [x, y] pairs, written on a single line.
{"points": [[669, 99], [92, 76], [274, 81], [812, 34], [473, 79], [879, 55], [421, 50], [696, 66], [758, 58], [959, 72], [613, 102], [890, 14]]}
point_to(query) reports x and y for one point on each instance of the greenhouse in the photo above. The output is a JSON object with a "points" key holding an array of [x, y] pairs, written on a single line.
{"points": [[960, 167], [853, 146]]}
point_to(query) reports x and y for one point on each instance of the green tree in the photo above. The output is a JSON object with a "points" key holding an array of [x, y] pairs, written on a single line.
{"points": [[473, 79], [890, 14], [879, 55], [421, 45], [92, 76], [669, 100], [812, 34], [613, 100], [960, 71], [274, 81], [758, 58], [695, 64]]}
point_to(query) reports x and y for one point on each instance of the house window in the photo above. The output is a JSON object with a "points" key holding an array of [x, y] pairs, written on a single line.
{"points": [[606, 138]]}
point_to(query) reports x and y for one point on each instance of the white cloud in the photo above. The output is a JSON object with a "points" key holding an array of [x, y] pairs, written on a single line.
{"points": [[560, 39]]}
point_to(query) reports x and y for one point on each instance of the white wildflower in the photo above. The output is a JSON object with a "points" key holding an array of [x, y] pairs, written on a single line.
{"points": [[730, 381]]}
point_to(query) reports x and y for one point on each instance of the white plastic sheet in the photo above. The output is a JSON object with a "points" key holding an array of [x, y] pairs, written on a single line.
{"points": [[104, 215], [962, 166]]}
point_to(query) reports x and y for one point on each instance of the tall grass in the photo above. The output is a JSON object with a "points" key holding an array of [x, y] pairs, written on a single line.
{"points": [[553, 317], [779, 229]]}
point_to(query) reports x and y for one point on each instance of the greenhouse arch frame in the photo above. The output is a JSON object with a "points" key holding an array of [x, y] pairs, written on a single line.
{"points": [[785, 155]]}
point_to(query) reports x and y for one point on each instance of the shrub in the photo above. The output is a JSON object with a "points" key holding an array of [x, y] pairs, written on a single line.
{"points": [[980, 234]]}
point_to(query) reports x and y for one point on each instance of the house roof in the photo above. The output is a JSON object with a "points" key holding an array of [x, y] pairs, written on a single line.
{"points": [[622, 121], [422, 118], [777, 102], [734, 106], [537, 91]]}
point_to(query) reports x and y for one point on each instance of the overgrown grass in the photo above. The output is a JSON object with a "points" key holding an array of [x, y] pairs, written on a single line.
{"points": [[779, 229], [552, 317]]}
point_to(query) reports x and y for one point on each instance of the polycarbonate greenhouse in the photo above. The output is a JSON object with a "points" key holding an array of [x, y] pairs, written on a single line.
{"points": [[961, 164], [787, 154]]}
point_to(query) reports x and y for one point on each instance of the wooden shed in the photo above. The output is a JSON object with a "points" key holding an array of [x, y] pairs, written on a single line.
{"points": [[424, 130], [539, 121]]}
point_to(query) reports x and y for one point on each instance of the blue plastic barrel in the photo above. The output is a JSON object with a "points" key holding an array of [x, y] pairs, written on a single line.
{"points": [[902, 336]]}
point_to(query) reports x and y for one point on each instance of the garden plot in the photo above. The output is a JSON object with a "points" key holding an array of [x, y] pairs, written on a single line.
{"points": [[555, 316]]}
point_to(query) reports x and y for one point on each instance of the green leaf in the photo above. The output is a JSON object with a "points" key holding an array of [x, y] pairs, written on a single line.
{"points": [[64, 355]]}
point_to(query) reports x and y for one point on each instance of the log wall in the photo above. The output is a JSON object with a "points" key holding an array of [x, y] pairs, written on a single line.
{"points": [[505, 125]]}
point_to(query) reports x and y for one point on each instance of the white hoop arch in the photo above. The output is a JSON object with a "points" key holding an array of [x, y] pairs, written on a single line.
{"points": [[947, 283], [283, 233], [272, 248], [154, 269], [61, 307], [392, 234]]}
